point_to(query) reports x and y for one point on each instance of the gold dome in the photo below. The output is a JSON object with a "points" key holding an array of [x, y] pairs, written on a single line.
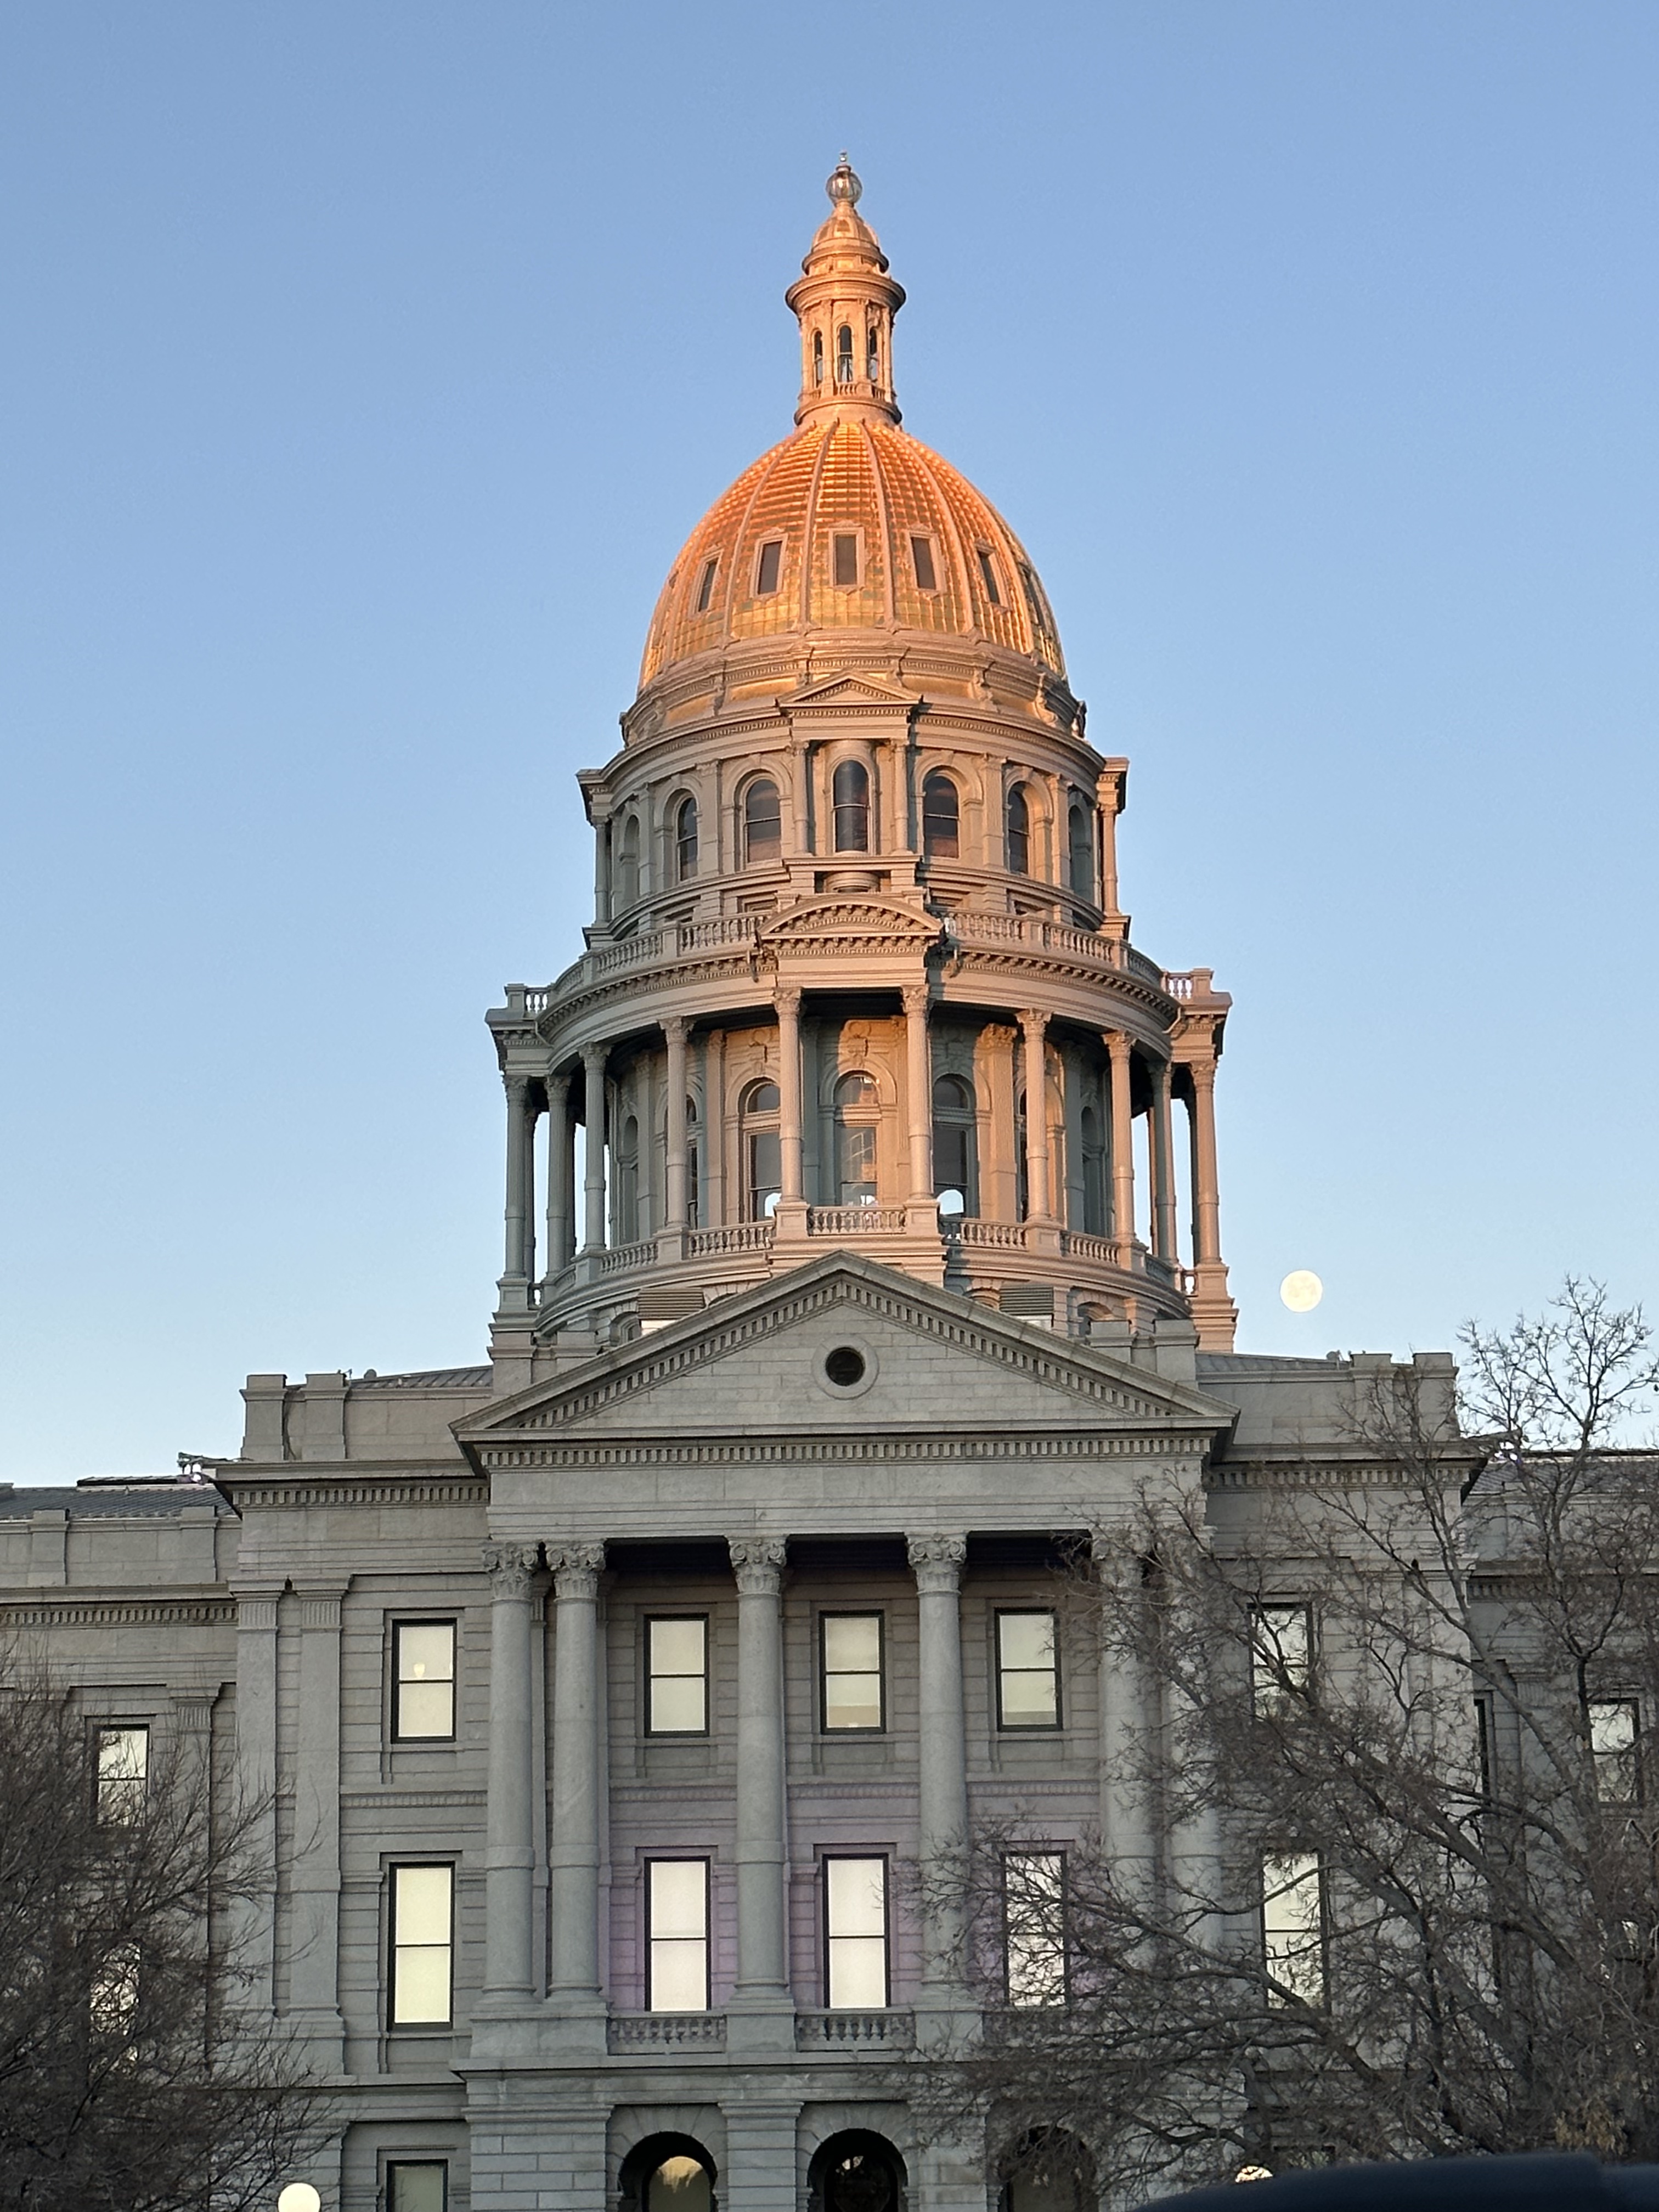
{"points": [[850, 523]]}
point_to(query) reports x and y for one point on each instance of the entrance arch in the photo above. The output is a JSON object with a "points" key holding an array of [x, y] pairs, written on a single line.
{"points": [[668, 2174], [856, 2171]]}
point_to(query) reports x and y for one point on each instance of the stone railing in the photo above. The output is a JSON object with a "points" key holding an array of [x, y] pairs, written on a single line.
{"points": [[736, 1236], [1078, 1244], [853, 1220], [619, 1259], [634, 2032], [650, 948], [1005, 1235], [855, 2031]]}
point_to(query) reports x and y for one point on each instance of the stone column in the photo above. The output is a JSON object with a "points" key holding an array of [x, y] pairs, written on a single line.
{"points": [[674, 1030], [574, 1858], [1035, 1027], [314, 1877], [1163, 1192], [1118, 1047], [801, 767], [942, 1792], [602, 868], [1206, 1191], [559, 1162], [255, 1782], [919, 1083], [786, 1001], [762, 2132], [762, 1986], [510, 1851], [594, 1057], [515, 1276]]}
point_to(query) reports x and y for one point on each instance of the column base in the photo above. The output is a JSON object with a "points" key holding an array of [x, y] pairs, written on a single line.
{"points": [[1214, 1314]]}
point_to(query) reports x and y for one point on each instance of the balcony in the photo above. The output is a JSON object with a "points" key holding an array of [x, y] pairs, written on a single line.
{"points": [[854, 2032], [639, 2034]]}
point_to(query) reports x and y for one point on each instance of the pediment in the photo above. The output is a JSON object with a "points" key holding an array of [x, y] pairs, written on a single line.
{"points": [[938, 1369], [842, 692], [845, 918]]}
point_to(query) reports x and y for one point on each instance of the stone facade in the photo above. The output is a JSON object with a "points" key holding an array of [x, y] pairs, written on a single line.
{"points": [[802, 1377]]}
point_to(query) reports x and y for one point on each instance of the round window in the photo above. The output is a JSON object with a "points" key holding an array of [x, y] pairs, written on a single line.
{"points": [[844, 1366]]}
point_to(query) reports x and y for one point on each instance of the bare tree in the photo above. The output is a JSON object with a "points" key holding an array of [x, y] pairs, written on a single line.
{"points": [[1387, 1883], [133, 2077]]}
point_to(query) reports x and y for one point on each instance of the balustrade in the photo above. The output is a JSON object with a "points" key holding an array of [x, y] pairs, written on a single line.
{"points": [[855, 2031]]}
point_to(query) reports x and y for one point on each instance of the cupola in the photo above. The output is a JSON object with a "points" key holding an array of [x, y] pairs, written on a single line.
{"points": [[845, 302]]}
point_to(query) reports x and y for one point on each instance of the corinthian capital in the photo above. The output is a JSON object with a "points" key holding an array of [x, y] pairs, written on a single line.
{"points": [[509, 1567], [576, 1569], [757, 1563], [937, 1562]]}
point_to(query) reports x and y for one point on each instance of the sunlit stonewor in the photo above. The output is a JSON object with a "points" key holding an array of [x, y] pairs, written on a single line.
{"points": [[620, 1695]]}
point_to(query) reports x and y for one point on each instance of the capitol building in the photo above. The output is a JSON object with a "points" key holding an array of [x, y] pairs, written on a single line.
{"points": [[614, 1696]]}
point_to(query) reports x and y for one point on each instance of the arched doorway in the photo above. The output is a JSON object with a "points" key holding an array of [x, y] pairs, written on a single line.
{"points": [[1048, 2170], [668, 2174], [856, 2172]]}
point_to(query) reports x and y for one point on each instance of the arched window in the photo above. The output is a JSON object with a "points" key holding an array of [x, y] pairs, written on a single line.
{"points": [[668, 2174], [1019, 832], [762, 821], [844, 354], [1080, 848], [1094, 1173], [1022, 1163], [941, 817], [850, 791], [693, 1163], [872, 355], [817, 357], [626, 1229], [627, 864], [857, 2172], [686, 841], [956, 1128], [762, 1157], [858, 1111]]}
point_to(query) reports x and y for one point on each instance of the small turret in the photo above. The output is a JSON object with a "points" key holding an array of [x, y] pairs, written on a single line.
{"points": [[845, 302]]}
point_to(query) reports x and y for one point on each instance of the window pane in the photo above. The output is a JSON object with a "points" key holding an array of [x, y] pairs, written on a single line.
{"points": [[422, 1897], [706, 587], [771, 558], [988, 572], [1614, 1727], [1279, 1658], [852, 1641], [426, 1651], [420, 1990], [679, 1897], [847, 560], [1036, 1936], [857, 1894], [851, 1701], [679, 1975], [1029, 1698], [679, 1705], [426, 1709], [1026, 1639], [416, 2188], [1291, 1922], [122, 1767], [858, 1973], [676, 1646], [922, 553]]}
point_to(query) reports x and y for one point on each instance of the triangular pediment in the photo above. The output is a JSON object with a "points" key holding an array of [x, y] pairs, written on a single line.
{"points": [[845, 916], [844, 690], [756, 1365]]}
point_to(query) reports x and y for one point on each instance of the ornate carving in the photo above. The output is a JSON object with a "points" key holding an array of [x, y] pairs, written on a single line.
{"points": [[937, 1562], [576, 1569], [757, 1564], [510, 1567], [916, 999]]}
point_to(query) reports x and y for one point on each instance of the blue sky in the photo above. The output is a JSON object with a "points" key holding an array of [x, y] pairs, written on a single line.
{"points": [[363, 367]]}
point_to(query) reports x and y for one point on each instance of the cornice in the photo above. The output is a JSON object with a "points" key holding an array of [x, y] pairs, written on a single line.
{"points": [[354, 1484], [89, 1610], [872, 1447]]}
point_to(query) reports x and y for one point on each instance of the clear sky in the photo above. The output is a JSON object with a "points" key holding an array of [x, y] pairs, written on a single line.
{"points": [[363, 366]]}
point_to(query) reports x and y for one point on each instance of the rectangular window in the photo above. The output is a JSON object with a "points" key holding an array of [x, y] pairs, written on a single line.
{"points": [[1293, 1928], [844, 557], [1615, 1735], [765, 1175], [423, 1680], [855, 1934], [113, 1999], [677, 1934], [850, 1648], [1281, 1655], [422, 1908], [123, 1772], [418, 2185], [987, 569], [921, 559], [769, 567], [706, 586], [677, 1675], [1028, 1671], [1034, 1927]]}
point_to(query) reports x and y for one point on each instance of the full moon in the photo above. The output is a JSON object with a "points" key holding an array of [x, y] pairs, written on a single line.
{"points": [[1302, 1289], [299, 2196]]}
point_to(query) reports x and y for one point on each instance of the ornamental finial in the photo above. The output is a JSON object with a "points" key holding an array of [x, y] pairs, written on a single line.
{"points": [[843, 184]]}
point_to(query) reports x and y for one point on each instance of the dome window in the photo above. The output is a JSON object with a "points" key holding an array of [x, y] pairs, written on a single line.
{"points": [[817, 357], [941, 817], [872, 355], [921, 560], [1019, 833], [1080, 845], [844, 354], [844, 558], [769, 567], [987, 569], [850, 793], [762, 821], [706, 583], [627, 864], [686, 841]]}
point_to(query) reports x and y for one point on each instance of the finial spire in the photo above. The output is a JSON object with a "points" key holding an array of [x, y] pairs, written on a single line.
{"points": [[845, 302]]}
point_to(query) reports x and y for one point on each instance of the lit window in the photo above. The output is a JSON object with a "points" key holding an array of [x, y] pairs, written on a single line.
{"points": [[113, 2000], [844, 558], [987, 569], [921, 560], [420, 2185], [850, 1648], [677, 1675], [677, 1934], [686, 840], [855, 1934], [763, 1151], [850, 793], [941, 817], [1281, 1656], [423, 1680], [1028, 1671], [1020, 834], [844, 354], [1034, 1929], [123, 1772], [422, 1945], [762, 821], [768, 567], [857, 1113], [955, 1129], [1293, 1928], [706, 584], [1614, 1733]]}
